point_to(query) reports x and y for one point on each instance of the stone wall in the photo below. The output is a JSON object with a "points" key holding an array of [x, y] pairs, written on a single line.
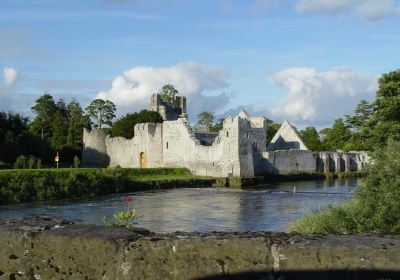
{"points": [[94, 153], [55, 249], [169, 111], [292, 161], [184, 149], [302, 161], [239, 149]]}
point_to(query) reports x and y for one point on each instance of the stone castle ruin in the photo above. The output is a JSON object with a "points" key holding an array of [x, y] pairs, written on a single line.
{"points": [[239, 149]]}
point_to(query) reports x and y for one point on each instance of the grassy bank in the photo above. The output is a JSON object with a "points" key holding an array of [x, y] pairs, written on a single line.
{"points": [[29, 185], [375, 207]]}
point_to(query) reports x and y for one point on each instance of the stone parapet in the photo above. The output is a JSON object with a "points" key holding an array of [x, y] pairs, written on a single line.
{"points": [[44, 248]]}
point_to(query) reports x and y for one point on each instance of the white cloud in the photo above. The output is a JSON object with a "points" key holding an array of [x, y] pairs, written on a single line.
{"points": [[132, 90], [319, 97], [7, 88], [10, 75], [369, 10]]}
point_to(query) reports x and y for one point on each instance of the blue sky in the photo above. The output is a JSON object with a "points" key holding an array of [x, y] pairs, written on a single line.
{"points": [[306, 61]]}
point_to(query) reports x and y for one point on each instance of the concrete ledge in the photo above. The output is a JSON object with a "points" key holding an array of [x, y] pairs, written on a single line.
{"points": [[45, 248]]}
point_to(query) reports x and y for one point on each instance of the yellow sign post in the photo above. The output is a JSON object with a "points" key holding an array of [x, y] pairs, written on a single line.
{"points": [[57, 159]]}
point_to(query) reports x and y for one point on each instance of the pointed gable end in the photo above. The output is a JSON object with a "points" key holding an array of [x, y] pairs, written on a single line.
{"points": [[286, 138]]}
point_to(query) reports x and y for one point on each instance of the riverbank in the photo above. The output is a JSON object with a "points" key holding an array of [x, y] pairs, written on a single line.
{"points": [[29, 185]]}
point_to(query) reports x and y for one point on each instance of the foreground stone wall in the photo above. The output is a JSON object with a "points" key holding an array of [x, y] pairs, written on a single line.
{"points": [[55, 249]]}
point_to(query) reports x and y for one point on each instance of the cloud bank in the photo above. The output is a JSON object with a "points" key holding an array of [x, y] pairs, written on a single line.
{"points": [[132, 90], [317, 98]]}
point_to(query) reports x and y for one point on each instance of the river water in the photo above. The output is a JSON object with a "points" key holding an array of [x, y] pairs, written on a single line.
{"points": [[267, 207]]}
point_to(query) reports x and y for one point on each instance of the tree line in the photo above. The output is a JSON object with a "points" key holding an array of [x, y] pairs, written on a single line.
{"points": [[369, 127], [57, 127]]}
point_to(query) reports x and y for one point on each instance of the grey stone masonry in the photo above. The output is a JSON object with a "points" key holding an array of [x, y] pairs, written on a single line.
{"points": [[239, 149], [169, 111]]}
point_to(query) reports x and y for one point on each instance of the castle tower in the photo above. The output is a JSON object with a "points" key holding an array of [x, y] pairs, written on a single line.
{"points": [[169, 111], [94, 153]]}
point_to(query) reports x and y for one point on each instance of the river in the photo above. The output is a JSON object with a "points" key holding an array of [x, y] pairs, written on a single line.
{"points": [[267, 207]]}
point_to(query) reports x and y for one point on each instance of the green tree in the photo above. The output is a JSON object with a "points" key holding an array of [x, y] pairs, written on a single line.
{"points": [[361, 124], [388, 97], [103, 112], [124, 127], [311, 138], [386, 117], [375, 207], [362, 115], [60, 130], [77, 120], [168, 93], [218, 126], [15, 138], [272, 129], [206, 120], [336, 137], [44, 109]]}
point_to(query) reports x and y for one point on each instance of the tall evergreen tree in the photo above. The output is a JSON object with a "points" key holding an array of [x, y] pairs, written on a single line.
{"points": [[44, 109], [77, 120]]}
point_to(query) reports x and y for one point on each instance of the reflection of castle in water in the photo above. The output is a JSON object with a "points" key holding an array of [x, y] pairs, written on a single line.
{"points": [[239, 149]]}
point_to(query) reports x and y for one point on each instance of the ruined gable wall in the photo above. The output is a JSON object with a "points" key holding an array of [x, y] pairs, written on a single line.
{"points": [[182, 149], [286, 138]]}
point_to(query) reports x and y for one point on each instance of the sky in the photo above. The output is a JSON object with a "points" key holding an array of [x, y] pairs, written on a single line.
{"points": [[306, 61]]}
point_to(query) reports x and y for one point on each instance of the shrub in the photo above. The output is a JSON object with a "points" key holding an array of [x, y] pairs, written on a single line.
{"points": [[21, 162], [375, 207], [31, 162]]}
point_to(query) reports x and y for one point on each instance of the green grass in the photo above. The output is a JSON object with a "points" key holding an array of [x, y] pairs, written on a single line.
{"points": [[375, 207], [26, 185]]}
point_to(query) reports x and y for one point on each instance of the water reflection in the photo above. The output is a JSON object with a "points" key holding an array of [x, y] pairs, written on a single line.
{"points": [[269, 207]]}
